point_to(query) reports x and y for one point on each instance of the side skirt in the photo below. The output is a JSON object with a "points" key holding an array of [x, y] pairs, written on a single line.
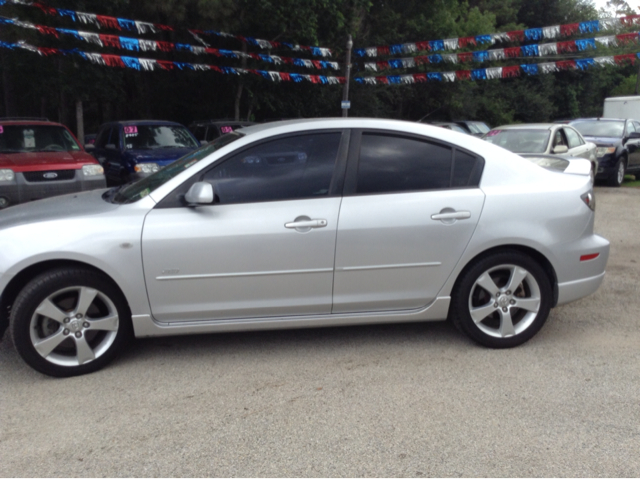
{"points": [[145, 326]]}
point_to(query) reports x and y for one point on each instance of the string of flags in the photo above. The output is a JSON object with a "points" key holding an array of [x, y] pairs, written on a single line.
{"points": [[531, 34], [114, 23], [147, 64], [501, 72], [535, 50], [139, 44]]}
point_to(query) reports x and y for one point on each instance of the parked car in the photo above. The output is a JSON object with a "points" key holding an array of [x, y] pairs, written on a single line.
{"points": [[130, 150], [450, 126], [90, 139], [618, 146], [475, 128], [307, 223], [543, 138], [40, 159], [208, 130]]}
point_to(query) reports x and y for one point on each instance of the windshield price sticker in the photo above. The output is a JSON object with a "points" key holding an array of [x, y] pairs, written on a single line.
{"points": [[29, 139], [131, 130], [226, 129], [493, 132], [1, 129]]}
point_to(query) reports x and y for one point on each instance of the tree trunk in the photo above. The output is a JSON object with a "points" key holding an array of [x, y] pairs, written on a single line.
{"points": [[80, 121], [243, 63]]}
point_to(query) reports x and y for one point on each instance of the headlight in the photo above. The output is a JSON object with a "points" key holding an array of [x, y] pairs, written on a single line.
{"points": [[147, 167], [92, 170], [7, 175], [601, 151]]}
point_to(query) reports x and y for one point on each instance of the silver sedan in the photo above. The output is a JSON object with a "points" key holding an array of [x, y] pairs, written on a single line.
{"points": [[302, 224], [544, 138]]}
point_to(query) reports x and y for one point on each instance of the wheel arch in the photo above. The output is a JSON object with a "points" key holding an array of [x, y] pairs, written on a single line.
{"points": [[527, 250], [20, 280]]}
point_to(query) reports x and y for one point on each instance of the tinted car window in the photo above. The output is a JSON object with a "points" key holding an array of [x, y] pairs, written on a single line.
{"points": [[573, 138], [284, 169], [199, 132], [395, 164], [103, 137], [467, 170]]}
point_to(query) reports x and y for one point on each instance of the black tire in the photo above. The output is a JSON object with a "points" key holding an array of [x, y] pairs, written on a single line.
{"points": [[510, 280], [70, 321], [617, 177]]}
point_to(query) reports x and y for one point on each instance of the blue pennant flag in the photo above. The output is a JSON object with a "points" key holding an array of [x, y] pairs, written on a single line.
{"points": [[228, 54], [266, 58], [586, 44], [436, 58], [296, 77], [484, 39], [533, 34], [316, 52], [323, 79], [479, 74], [5, 21], [229, 70], [395, 63], [183, 47], [360, 52], [298, 62], [132, 44], [395, 49], [73, 33], [434, 76], [395, 79], [67, 13], [589, 27], [530, 51], [265, 74], [359, 79], [481, 56], [585, 63], [436, 45], [131, 62], [530, 69], [127, 24]]}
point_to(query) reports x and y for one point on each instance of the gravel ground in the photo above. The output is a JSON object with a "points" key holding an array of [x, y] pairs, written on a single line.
{"points": [[392, 400]]}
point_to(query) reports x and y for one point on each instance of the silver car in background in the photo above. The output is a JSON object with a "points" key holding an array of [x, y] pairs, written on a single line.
{"points": [[544, 139], [297, 224]]}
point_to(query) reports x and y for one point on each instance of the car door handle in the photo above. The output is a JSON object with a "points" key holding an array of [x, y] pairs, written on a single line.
{"points": [[306, 224], [453, 215]]}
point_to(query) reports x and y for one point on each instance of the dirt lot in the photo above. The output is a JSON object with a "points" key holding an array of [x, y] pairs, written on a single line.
{"points": [[393, 400]]}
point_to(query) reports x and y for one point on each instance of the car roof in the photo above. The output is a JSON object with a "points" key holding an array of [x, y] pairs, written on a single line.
{"points": [[222, 122], [529, 126], [143, 122], [30, 122], [601, 119]]}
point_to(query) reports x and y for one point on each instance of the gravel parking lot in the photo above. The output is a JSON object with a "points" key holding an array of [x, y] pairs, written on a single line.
{"points": [[392, 400]]}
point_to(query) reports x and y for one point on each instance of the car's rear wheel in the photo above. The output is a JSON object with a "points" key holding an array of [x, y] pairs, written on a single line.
{"points": [[68, 322], [502, 300], [618, 176]]}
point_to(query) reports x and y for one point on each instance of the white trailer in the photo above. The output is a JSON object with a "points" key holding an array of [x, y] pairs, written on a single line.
{"points": [[622, 107]]}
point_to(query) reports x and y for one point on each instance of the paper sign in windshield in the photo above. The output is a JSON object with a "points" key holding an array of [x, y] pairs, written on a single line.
{"points": [[29, 139], [1, 130], [131, 130], [493, 132], [226, 129]]}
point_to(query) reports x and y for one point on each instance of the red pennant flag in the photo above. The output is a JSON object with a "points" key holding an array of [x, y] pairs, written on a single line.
{"points": [[420, 77], [382, 65], [166, 46], [624, 59], [214, 51], [285, 76], [422, 46], [465, 56], [565, 47], [110, 41], [566, 65], [47, 30], [383, 51], [510, 72], [627, 37], [167, 65], [48, 51], [108, 22], [516, 36], [113, 60], [383, 80], [421, 60], [467, 41], [629, 19], [569, 29], [45, 9], [463, 74], [513, 52]]}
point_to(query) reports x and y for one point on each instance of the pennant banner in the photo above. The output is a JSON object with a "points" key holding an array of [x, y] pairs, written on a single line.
{"points": [[532, 34], [139, 44], [113, 23], [148, 64], [544, 49], [501, 72]]}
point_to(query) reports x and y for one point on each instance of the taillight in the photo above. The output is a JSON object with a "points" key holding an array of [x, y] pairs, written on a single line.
{"points": [[589, 200]]}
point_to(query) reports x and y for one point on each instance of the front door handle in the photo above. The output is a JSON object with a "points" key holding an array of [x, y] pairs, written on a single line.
{"points": [[304, 223], [452, 215]]}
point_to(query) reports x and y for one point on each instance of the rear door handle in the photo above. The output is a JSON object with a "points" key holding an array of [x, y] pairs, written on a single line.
{"points": [[300, 224], [454, 215]]}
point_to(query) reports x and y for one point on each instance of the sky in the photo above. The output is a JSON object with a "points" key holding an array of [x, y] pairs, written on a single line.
{"points": [[635, 4]]}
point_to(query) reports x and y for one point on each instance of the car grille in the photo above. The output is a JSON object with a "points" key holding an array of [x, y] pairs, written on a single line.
{"points": [[53, 175]]}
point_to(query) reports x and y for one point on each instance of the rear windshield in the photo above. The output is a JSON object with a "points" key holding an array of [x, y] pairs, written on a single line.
{"points": [[520, 140], [600, 128], [36, 138], [147, 137]]}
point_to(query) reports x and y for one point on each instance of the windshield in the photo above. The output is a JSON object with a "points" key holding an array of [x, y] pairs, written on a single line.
{"points": [[520, 140], [146, 137], [132, 192], [600, 128], [477, 127], [36, 138]]}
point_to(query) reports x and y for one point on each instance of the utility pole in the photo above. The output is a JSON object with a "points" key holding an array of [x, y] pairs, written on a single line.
{"points": [[638, 79], [346, 104]]}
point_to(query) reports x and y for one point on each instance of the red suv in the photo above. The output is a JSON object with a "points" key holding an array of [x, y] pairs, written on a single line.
{"points": [[39, 159]]}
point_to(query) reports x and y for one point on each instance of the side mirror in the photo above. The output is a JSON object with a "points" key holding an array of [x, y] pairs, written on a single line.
{"points": [[90, 147], [110, 146], [203, 142], [634, 135], [559, 149], [200, 193]]}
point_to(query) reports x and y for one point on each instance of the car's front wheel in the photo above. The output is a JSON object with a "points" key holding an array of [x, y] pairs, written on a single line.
{"points": [[618, 176], [70, 321], [502, 300]]}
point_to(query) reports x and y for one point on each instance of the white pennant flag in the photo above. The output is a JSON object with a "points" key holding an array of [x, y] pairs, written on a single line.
{"points": [[548, 49], [500, 37], [451, 44], [325, 52], [334, 65], [449, 76], [370, 80], [372, 51], [95, 58], [91, 38], [450, 58], [88, 18], [494, 73], [407, 79], [148, 64], [409, 48], [144, 27], [604, 61], [610, 41], [308, 63], [148, 45], [198, 50], [610, 23], [548, 67], [550, 33], [372, 67], [408, 62], [497, 54], [265, 45]]}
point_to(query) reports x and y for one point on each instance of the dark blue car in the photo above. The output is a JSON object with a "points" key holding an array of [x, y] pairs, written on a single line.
{"points": [[130, 150]]}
